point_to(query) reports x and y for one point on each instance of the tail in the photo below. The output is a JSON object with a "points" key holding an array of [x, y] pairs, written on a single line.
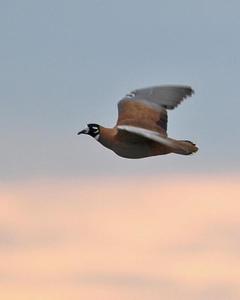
{"points": [[185, 147]]}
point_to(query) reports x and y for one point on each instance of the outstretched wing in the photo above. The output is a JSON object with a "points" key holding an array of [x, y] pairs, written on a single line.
{"points": [[146, 108], [167, 96]]}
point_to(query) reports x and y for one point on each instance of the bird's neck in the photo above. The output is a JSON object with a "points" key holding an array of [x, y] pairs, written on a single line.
{"points": [[106, 136]]}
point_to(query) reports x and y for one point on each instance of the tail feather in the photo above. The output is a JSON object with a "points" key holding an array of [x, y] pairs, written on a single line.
{"points": [[185, 147]]}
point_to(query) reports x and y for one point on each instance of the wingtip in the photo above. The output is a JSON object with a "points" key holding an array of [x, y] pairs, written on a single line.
{"points": [[190, 91]]}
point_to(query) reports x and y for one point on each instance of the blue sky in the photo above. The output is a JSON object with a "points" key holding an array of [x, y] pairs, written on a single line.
{"points": [[66, 63]]}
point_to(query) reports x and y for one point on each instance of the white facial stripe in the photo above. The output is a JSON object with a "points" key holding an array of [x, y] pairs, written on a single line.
{"points": [[130, 95], [97, 137]]}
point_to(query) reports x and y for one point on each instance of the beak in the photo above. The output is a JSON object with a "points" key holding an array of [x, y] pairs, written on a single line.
{"points": [[84, 131]]}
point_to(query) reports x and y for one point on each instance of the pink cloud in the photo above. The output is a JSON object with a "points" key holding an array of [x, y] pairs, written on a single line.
{"points": [[132, 238]]}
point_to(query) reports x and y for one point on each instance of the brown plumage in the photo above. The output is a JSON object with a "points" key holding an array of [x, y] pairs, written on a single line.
{"points": [[141, 128]]}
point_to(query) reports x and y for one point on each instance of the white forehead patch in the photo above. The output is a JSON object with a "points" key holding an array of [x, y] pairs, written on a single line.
{"points": [[86, 130]]}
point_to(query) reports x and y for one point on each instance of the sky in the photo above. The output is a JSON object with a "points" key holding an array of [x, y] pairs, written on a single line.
{"points": [[76, 219], [67, 63]]}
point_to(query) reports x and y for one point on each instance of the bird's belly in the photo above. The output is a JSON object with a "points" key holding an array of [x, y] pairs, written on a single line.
{"points": [[139, 150]]}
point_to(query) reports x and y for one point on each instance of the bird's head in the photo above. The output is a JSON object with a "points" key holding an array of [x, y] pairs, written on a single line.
{"points": [[92, 130]]}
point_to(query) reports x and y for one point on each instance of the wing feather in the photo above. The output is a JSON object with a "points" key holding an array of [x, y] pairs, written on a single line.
{"points": [[167, 96], [148, 134], [138, 114], [146, 108]]}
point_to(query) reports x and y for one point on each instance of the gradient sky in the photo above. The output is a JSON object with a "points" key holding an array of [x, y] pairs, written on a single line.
{"points": [[66, 63], [79, 222]]}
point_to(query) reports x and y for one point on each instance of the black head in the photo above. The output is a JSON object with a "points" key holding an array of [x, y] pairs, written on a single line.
{"points": [[92, 129]]}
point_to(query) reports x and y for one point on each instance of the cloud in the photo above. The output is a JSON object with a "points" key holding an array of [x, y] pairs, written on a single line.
{"points": [[145, 237], [122, 280]]}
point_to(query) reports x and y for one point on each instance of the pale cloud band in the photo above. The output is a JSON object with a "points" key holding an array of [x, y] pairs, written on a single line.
{"points": [[164, 238]]}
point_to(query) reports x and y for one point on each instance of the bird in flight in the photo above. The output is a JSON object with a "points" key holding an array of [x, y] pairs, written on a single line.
{"points": [[141, 129]]}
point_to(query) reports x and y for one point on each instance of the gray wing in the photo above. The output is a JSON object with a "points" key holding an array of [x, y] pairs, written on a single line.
{"points": [[167, 96]]}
